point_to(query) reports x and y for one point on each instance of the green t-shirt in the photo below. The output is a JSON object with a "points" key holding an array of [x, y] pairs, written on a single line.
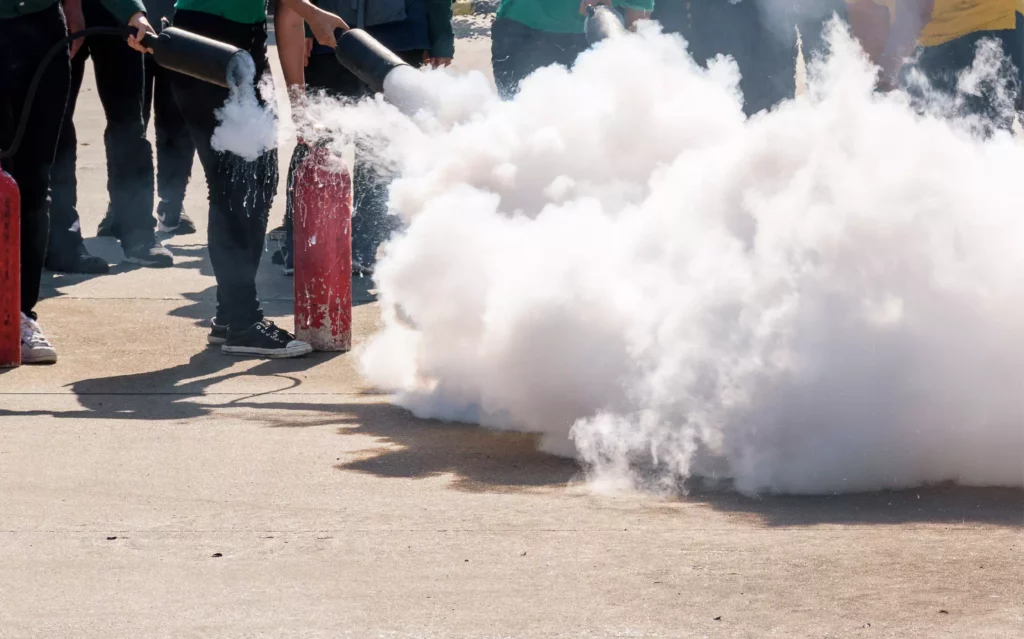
{"points": [[557, 16], [243, 11]]}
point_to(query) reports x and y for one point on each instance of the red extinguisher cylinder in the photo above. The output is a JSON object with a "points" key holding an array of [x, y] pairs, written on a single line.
{"points": [[10, 272], [322, 197]]}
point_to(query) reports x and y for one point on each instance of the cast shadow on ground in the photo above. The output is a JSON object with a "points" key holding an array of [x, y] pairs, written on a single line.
{"points": [[943, 504], [479, 460], [169, 394]]}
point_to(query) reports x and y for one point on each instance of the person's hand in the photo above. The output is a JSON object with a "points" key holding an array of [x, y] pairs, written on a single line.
{"points": [[436, 62], [323, 26], [142, 27], [308, 52], [633, 16], [586, 4], [76, 22]]}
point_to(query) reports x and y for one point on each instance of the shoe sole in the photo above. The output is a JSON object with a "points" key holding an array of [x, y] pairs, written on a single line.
{"points": [[150, 263], [216, 341], [270, 353], [40, 358], [289, 271], [173, 230]]}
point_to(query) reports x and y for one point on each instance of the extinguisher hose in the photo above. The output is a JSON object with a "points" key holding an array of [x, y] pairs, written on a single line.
{"points": [[30, 97]]}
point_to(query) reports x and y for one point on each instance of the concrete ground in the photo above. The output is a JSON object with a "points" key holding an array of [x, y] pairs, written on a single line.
{"points": [[151, 487]]}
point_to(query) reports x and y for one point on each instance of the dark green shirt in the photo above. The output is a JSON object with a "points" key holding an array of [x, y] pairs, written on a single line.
{"points": [[122, 9], [243, 11], [559, 16]]}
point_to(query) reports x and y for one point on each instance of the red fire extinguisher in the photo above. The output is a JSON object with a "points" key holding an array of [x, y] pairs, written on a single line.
{"points": [[10, 272], [322, 192]]}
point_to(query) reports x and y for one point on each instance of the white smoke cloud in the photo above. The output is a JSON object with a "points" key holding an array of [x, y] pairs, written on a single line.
{"points": [[825, 298], [246, 127]]}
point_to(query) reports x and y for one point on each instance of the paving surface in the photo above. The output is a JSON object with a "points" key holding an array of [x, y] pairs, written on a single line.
{"points": [[150, 487]]}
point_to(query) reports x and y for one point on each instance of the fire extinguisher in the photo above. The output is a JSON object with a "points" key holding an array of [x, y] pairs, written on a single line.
{"points": [[10, 272], [322, 196]]}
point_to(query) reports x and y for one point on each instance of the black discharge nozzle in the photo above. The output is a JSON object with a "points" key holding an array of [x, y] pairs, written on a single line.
{"points": [[366, 58], [199, 57], [602, 23]]}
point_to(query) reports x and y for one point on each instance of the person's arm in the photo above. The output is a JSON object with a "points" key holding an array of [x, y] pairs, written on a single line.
{"points": [[322, 23], [910, 20], [634, 10], [290, 31], [133, 14], [76, 22], [871, 24], [442, 37]]}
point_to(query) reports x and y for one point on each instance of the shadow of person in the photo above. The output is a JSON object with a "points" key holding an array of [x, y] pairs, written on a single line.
{"points": [[169, 393]]}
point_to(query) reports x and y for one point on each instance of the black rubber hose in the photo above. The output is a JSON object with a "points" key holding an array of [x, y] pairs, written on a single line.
{"points": [[19, 133]]}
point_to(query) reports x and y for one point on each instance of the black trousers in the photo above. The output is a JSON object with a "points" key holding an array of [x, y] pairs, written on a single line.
{"points": [[763, 42], [942, 65], [371, 223], [517, 51], [240, 192], [23, 43], [174, 148], [120, 80]]}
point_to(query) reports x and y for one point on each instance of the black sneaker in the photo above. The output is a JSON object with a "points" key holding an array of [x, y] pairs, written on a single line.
{"points": [[107, 227], [79, 261], [152, 255], [180, 224], [218, 333], [263, 339]]}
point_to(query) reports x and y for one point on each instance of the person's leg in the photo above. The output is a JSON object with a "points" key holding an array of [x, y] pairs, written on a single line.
{"points": [[23, 43], [516, 52], [66, 252], [240, 194], [989, 101], [372, 224], [174, 153], [120, 83]]}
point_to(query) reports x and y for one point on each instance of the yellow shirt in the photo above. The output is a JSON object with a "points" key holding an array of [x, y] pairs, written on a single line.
{"points": [[953, 19]]}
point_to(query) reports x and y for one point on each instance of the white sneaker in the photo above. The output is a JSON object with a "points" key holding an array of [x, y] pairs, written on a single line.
{"points": [[35, 348]]}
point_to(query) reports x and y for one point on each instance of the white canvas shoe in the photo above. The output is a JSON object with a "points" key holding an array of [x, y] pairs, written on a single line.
{"points": [[35, 348]]}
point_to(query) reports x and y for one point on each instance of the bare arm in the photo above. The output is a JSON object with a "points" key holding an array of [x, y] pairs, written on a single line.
{"points": [[908, 23], [871, 25], [322, 23], [291, 47]]}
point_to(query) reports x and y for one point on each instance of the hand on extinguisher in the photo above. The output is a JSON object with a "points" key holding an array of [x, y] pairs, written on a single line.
{"points": [[76, 22]]}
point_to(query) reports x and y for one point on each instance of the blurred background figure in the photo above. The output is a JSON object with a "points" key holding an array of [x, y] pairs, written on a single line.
{"points": [[120, 83], [530, 34]]}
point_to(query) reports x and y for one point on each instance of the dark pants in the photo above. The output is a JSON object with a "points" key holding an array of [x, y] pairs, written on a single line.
{"points": [[240, 192], [763, 43], [517, 51], [174, 148], [942, 66], [120, 79], [371, 223], [23, 43]]}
